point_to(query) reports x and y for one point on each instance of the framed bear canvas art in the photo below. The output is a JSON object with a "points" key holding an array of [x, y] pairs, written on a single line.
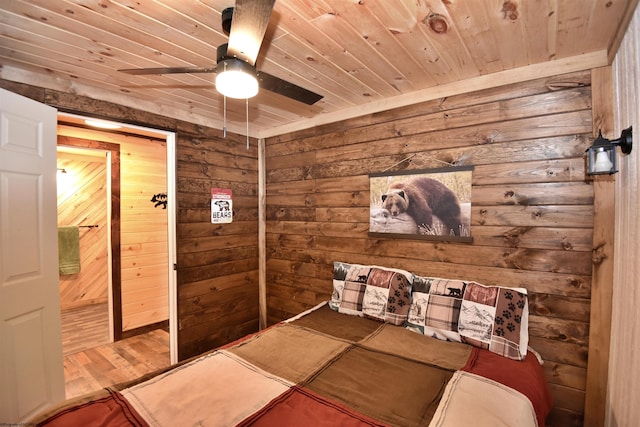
{"points": [[432, 204]]}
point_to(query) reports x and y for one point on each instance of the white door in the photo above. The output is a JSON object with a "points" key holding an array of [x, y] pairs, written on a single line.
{"points": [[31, 364]]}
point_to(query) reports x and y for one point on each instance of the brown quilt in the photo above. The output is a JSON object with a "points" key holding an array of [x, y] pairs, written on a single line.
{"points": [[327, 368]]}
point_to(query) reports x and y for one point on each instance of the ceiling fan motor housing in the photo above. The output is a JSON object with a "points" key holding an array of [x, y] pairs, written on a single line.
{"points": [[235, 77], [221, 53], [227, 14], [222, 56]]}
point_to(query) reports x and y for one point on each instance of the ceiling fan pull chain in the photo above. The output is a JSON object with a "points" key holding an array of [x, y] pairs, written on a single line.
{"points": [[224, 117], [247, 114]]}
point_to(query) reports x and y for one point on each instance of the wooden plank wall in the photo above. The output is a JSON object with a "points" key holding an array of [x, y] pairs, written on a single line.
{"points": [[217, 264], [532, 208], [143, 232], [624, 389], [604, 225], [112, 158], [82, 200]]}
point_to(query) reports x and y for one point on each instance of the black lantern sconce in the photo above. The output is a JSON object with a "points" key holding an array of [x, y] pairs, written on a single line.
{"points": [[601, 156]]}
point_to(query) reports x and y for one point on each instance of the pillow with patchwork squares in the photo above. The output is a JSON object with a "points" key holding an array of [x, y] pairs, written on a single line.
{"points": [[435, 307], [371, 291], [491, 317], [497, 318]]}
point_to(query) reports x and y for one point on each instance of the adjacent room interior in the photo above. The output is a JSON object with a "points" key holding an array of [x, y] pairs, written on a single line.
{"points": [[98, 315]]}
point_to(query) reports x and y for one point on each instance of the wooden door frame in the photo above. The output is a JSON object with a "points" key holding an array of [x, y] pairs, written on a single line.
{"points": [[116, 264]]}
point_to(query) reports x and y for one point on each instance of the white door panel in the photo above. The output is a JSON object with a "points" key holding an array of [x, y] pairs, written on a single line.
{"points": [[31, 367]]}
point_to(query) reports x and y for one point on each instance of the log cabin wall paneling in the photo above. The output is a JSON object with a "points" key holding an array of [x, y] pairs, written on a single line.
{"points": [[82, 200], [532, 209], [217, 264]]}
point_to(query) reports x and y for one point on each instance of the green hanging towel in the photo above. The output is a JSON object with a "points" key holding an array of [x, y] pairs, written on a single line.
{"points": [[69, 250]]}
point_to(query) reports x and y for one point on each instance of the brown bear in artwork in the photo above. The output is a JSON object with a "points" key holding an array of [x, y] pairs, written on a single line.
{"points": [[422, 198]]}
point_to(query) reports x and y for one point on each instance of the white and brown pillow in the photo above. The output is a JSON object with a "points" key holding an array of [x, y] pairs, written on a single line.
{"points": [[435, 307], [496, 318], [370, 291], [491, 317]]}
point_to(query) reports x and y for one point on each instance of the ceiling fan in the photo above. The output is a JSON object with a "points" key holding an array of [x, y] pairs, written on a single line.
{"points": [[237, 76]]}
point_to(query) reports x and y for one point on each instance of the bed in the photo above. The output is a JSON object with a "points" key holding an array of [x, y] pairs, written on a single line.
{"points": [[372, 356]]}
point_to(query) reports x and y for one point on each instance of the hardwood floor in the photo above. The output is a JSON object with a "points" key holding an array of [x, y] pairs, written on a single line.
{"points": [[84, 327], [92, 363]]}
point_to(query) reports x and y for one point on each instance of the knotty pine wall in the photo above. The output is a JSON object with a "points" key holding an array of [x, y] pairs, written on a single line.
{"points": [[82, 200], [532, 208], [143, 233]]}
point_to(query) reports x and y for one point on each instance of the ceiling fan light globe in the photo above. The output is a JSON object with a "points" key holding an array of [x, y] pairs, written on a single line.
{"points": [[236, 79]]}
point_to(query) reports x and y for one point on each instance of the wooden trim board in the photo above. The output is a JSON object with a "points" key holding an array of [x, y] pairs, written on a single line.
{"points": [[487, 81], [603, 248]]}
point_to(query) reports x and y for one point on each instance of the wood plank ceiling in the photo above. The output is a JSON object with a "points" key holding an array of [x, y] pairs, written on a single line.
{"points": [[361, 55]]}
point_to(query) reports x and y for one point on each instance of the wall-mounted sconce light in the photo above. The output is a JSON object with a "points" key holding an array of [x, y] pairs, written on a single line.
{"points": [[601, 156]]}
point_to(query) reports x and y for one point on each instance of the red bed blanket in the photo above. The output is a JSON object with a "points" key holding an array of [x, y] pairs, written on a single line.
{"points": [[326, 368], [528, 379], [111, 410]]}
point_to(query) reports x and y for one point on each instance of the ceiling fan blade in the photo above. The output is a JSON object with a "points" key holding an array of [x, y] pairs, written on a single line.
{"points": [[168, 70], [248, 26], [188, 87], [288, 89], [265, 81]]}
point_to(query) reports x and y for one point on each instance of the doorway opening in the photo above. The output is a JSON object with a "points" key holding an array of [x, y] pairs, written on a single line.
{"points": [[146, 197]]}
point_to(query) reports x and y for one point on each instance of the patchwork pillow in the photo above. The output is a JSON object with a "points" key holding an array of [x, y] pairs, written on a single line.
{"points": [[435, 307], [491, 317], [370, 291], [496, 318]]}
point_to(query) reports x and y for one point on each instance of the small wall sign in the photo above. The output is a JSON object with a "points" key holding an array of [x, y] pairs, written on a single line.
{"points": [[221, 206]]}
